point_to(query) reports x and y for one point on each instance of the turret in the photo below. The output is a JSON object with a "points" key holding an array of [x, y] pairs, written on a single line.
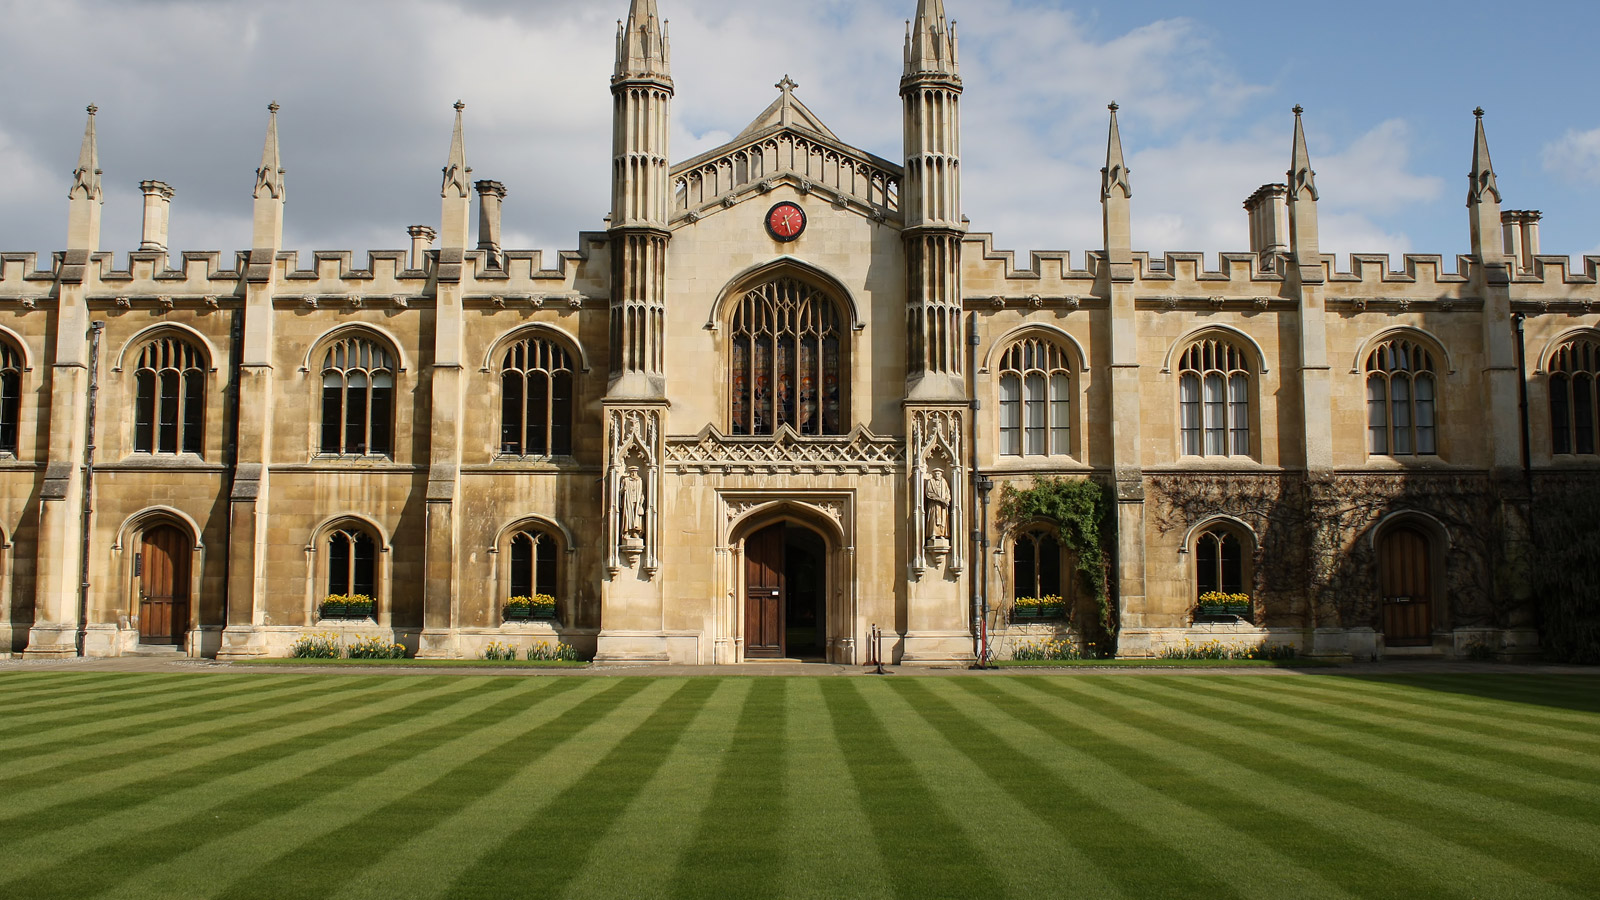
{"points": [[1483, 199], [642, 94], [269, 192], [86, 198], [1302, 203], [931, 205], [1115, 193]]}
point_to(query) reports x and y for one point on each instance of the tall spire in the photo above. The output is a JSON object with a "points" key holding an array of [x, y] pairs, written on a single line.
{"points": [[1115, 192], [269, 178], [931, 44], [86, 177], [456, 190], [85, 198], [643, 50], [1303, 197], [1483, 198]]}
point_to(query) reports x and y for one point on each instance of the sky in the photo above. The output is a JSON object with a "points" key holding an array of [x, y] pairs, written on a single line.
{"points": [[1205, 88]]}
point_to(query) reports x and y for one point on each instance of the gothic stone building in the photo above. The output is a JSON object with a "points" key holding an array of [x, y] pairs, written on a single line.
{"points": [[751, 418]]}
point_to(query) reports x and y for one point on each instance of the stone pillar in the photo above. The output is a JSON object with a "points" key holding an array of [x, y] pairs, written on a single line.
{"points": [[157, 211], [491, 194]]}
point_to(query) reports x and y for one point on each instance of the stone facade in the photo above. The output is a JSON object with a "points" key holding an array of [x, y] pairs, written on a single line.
{"points": [[1230, 411]]}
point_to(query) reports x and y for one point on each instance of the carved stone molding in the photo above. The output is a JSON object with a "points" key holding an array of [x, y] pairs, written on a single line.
{"points": [[786, 453]]}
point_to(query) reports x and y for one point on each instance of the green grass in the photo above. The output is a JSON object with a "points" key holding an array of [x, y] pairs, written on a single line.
{"points": [[1165, 664], [289, 784], [415, 663]]}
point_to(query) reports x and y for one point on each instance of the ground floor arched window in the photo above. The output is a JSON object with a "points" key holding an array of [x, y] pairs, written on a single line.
{"points": [[1036, 565], [535, 563], [1219, 563], [352, 563]]}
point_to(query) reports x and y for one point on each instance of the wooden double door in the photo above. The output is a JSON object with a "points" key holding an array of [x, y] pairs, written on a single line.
{"points": [[164, 557], [784, 613], [1405, 575]]}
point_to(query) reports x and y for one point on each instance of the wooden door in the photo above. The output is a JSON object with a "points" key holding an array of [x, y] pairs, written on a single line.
{"points": [[1405, 573], [163, 586], [763, 589]]}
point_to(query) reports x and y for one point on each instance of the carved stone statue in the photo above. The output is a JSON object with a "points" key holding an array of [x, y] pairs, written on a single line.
{"points": [[631, 502], [936, 499]]}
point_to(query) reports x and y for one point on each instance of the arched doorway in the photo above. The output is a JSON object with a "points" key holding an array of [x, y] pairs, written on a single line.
{"points": [[1406, 580], [163, 570], [786, 579]]}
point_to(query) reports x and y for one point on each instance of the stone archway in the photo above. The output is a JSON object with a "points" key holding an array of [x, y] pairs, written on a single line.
{"points": [[790, 584]]}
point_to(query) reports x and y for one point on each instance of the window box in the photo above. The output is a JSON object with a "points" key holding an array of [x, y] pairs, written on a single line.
{"points": [[523, 609], [1232, 610]]}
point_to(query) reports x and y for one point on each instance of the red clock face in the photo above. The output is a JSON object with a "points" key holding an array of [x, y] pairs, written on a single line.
{"points": [[786, 221]]}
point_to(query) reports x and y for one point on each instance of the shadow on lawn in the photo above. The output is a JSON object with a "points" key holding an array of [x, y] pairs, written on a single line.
{"points": [[1574, 692]]}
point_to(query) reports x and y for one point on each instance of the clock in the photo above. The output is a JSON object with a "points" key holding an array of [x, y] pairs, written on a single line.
{"points": [[786, 222]]}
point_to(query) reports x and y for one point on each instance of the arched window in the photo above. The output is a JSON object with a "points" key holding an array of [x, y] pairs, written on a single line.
{"points": [[10, 398], [1214, 400], [1400, 400], [1219, 562], [536, 400], [1036, 565], [169, 398], [352, 562], [358, 398], [787, 366], [1573, 369], [1035, 400], [534, 564]]}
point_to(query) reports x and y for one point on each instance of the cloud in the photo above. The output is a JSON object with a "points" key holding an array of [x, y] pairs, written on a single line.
{"points": [[365, 123], [1575, 157]]}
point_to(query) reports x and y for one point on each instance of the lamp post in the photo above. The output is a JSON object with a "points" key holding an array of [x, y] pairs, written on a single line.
{"points": [[980, 599]]}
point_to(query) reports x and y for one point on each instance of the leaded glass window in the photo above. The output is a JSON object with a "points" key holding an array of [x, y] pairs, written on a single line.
{"points": [[169, 398], [787, 365], [1214, 400], [1035, 400], [358, 399], [1401, 408], [536, 400], [1573, 370]]}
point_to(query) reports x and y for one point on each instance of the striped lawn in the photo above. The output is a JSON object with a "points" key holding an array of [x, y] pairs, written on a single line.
{"points": [[1194, 786]]}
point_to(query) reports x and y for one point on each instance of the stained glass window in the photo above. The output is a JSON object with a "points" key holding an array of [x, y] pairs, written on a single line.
{"points": [[786, 361]]}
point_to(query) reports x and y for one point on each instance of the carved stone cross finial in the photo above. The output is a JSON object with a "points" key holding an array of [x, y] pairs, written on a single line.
{"points": [[273, 108], [1478, 112], [787, 85], [1114, 106], [1298, 109], [93, 109]]}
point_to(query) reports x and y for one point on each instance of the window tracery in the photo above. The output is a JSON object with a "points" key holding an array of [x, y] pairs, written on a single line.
{"points": [[169, 398], [534, 563], [1036, 565], [358, 398], [1214, 399], [1035, 400], [1219, 562], [1573, 397], [536, 380], [10, 398], [787, 364], [352, 562], [1401, 407]]}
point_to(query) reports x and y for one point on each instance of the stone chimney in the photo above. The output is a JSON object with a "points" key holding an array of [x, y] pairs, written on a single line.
{"points": [[490, 196], [421, 242], [1521, 230], [157, 214], [1269, 223]]}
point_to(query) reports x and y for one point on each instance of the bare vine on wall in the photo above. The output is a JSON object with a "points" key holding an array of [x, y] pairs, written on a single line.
{"points": [[1315, 562]]}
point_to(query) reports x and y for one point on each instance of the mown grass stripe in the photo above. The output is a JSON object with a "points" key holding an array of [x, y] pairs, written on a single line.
{"points": [[927, 853], [830, 851], [1492, 717], [1537, 794], [81, 823], [736, 848], [86, 722], [1382, 780], [1148, 830], [561, 845], [37, 692], [135, 780], [1374, 850], [558, 755], [433, 765], [172, 825], [638, 857], [1558, 698], [976, 782], [1436, 734], [67, 757]]}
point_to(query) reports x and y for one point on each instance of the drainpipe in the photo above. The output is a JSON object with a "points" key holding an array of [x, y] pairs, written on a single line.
{"points": [[980, 488], [230, 452], [1518, 321], [88, 485]]}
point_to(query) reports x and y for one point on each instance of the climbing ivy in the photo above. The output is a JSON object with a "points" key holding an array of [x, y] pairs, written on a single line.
{"points": [[1565, 568], [1081, 511]]}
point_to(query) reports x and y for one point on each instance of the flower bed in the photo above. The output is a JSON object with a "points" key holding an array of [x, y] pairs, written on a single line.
{"points": [[331, 645]]}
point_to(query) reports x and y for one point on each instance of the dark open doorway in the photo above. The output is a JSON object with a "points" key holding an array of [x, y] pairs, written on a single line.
{"points": [[786, 578]]}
